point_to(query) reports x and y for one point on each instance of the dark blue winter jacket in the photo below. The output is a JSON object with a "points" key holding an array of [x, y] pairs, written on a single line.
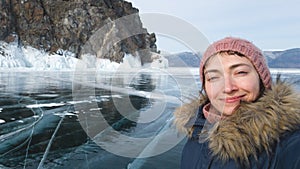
{"points": [[285, 155]]}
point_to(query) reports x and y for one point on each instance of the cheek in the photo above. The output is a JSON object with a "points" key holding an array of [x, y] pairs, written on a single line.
{"points": [[212, 90], [253, 89], [208, 90], [255, 93]]}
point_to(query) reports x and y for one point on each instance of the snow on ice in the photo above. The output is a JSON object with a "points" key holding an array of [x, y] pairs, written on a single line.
{"points": [[18, 57]]}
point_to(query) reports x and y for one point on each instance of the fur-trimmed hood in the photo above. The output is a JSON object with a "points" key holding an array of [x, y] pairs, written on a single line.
{"points": [[253, 128]]}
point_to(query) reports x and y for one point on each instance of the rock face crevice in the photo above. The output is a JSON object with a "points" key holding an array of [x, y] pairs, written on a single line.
{"points": [[69, 24]]}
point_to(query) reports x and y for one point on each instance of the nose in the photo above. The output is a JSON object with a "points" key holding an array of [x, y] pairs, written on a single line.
{"points": [[230, 85]]}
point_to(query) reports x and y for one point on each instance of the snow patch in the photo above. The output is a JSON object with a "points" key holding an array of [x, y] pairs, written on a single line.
{"points": [[12, 55]]}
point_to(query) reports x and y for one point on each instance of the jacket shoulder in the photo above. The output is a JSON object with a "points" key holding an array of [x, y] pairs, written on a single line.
{"points": [[289, 151]]}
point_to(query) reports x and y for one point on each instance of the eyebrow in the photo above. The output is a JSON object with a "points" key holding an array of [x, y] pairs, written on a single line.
{"points": [[211, 71], [239, 65]]}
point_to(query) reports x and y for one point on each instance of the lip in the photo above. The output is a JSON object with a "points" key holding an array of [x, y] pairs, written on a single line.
{"points": [[233, 99]]}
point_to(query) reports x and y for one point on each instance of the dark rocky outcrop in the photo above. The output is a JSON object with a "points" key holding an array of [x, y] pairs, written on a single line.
{"points": [[68, 24]]}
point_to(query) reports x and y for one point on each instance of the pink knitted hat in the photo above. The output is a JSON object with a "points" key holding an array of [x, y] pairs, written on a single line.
{"points": [[244, 47]]}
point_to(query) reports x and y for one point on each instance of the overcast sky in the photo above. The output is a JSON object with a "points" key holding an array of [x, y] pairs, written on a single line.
{"points": [[270, 24]]}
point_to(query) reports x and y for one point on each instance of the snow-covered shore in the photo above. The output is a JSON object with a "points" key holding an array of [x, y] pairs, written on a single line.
{"points": [[20, 58]]}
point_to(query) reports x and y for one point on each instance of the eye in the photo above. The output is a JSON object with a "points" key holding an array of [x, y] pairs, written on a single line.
{"points": [[242, 72], [211, 78]]}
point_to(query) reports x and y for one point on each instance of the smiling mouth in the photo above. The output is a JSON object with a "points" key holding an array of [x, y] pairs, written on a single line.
{"points": [[233, 99]]}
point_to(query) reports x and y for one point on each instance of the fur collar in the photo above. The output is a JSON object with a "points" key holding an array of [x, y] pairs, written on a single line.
{"points": [[253, 128]]}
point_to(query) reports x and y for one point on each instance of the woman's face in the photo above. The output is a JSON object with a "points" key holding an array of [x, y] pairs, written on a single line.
{"points": [[230, 79]]}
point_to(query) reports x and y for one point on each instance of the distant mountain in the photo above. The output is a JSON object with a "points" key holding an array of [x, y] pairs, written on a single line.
{"points": [[284, 59], [276, 59], [185, 59]]}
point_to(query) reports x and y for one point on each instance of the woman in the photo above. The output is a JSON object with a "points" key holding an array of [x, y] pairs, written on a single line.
{"points": [[241, 119]]}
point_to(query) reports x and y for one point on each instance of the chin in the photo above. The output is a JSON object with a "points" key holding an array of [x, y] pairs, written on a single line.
{"points": [[228, 112]]}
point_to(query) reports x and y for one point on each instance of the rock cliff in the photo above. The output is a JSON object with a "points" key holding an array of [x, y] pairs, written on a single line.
{"points": [[69, 24]]}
